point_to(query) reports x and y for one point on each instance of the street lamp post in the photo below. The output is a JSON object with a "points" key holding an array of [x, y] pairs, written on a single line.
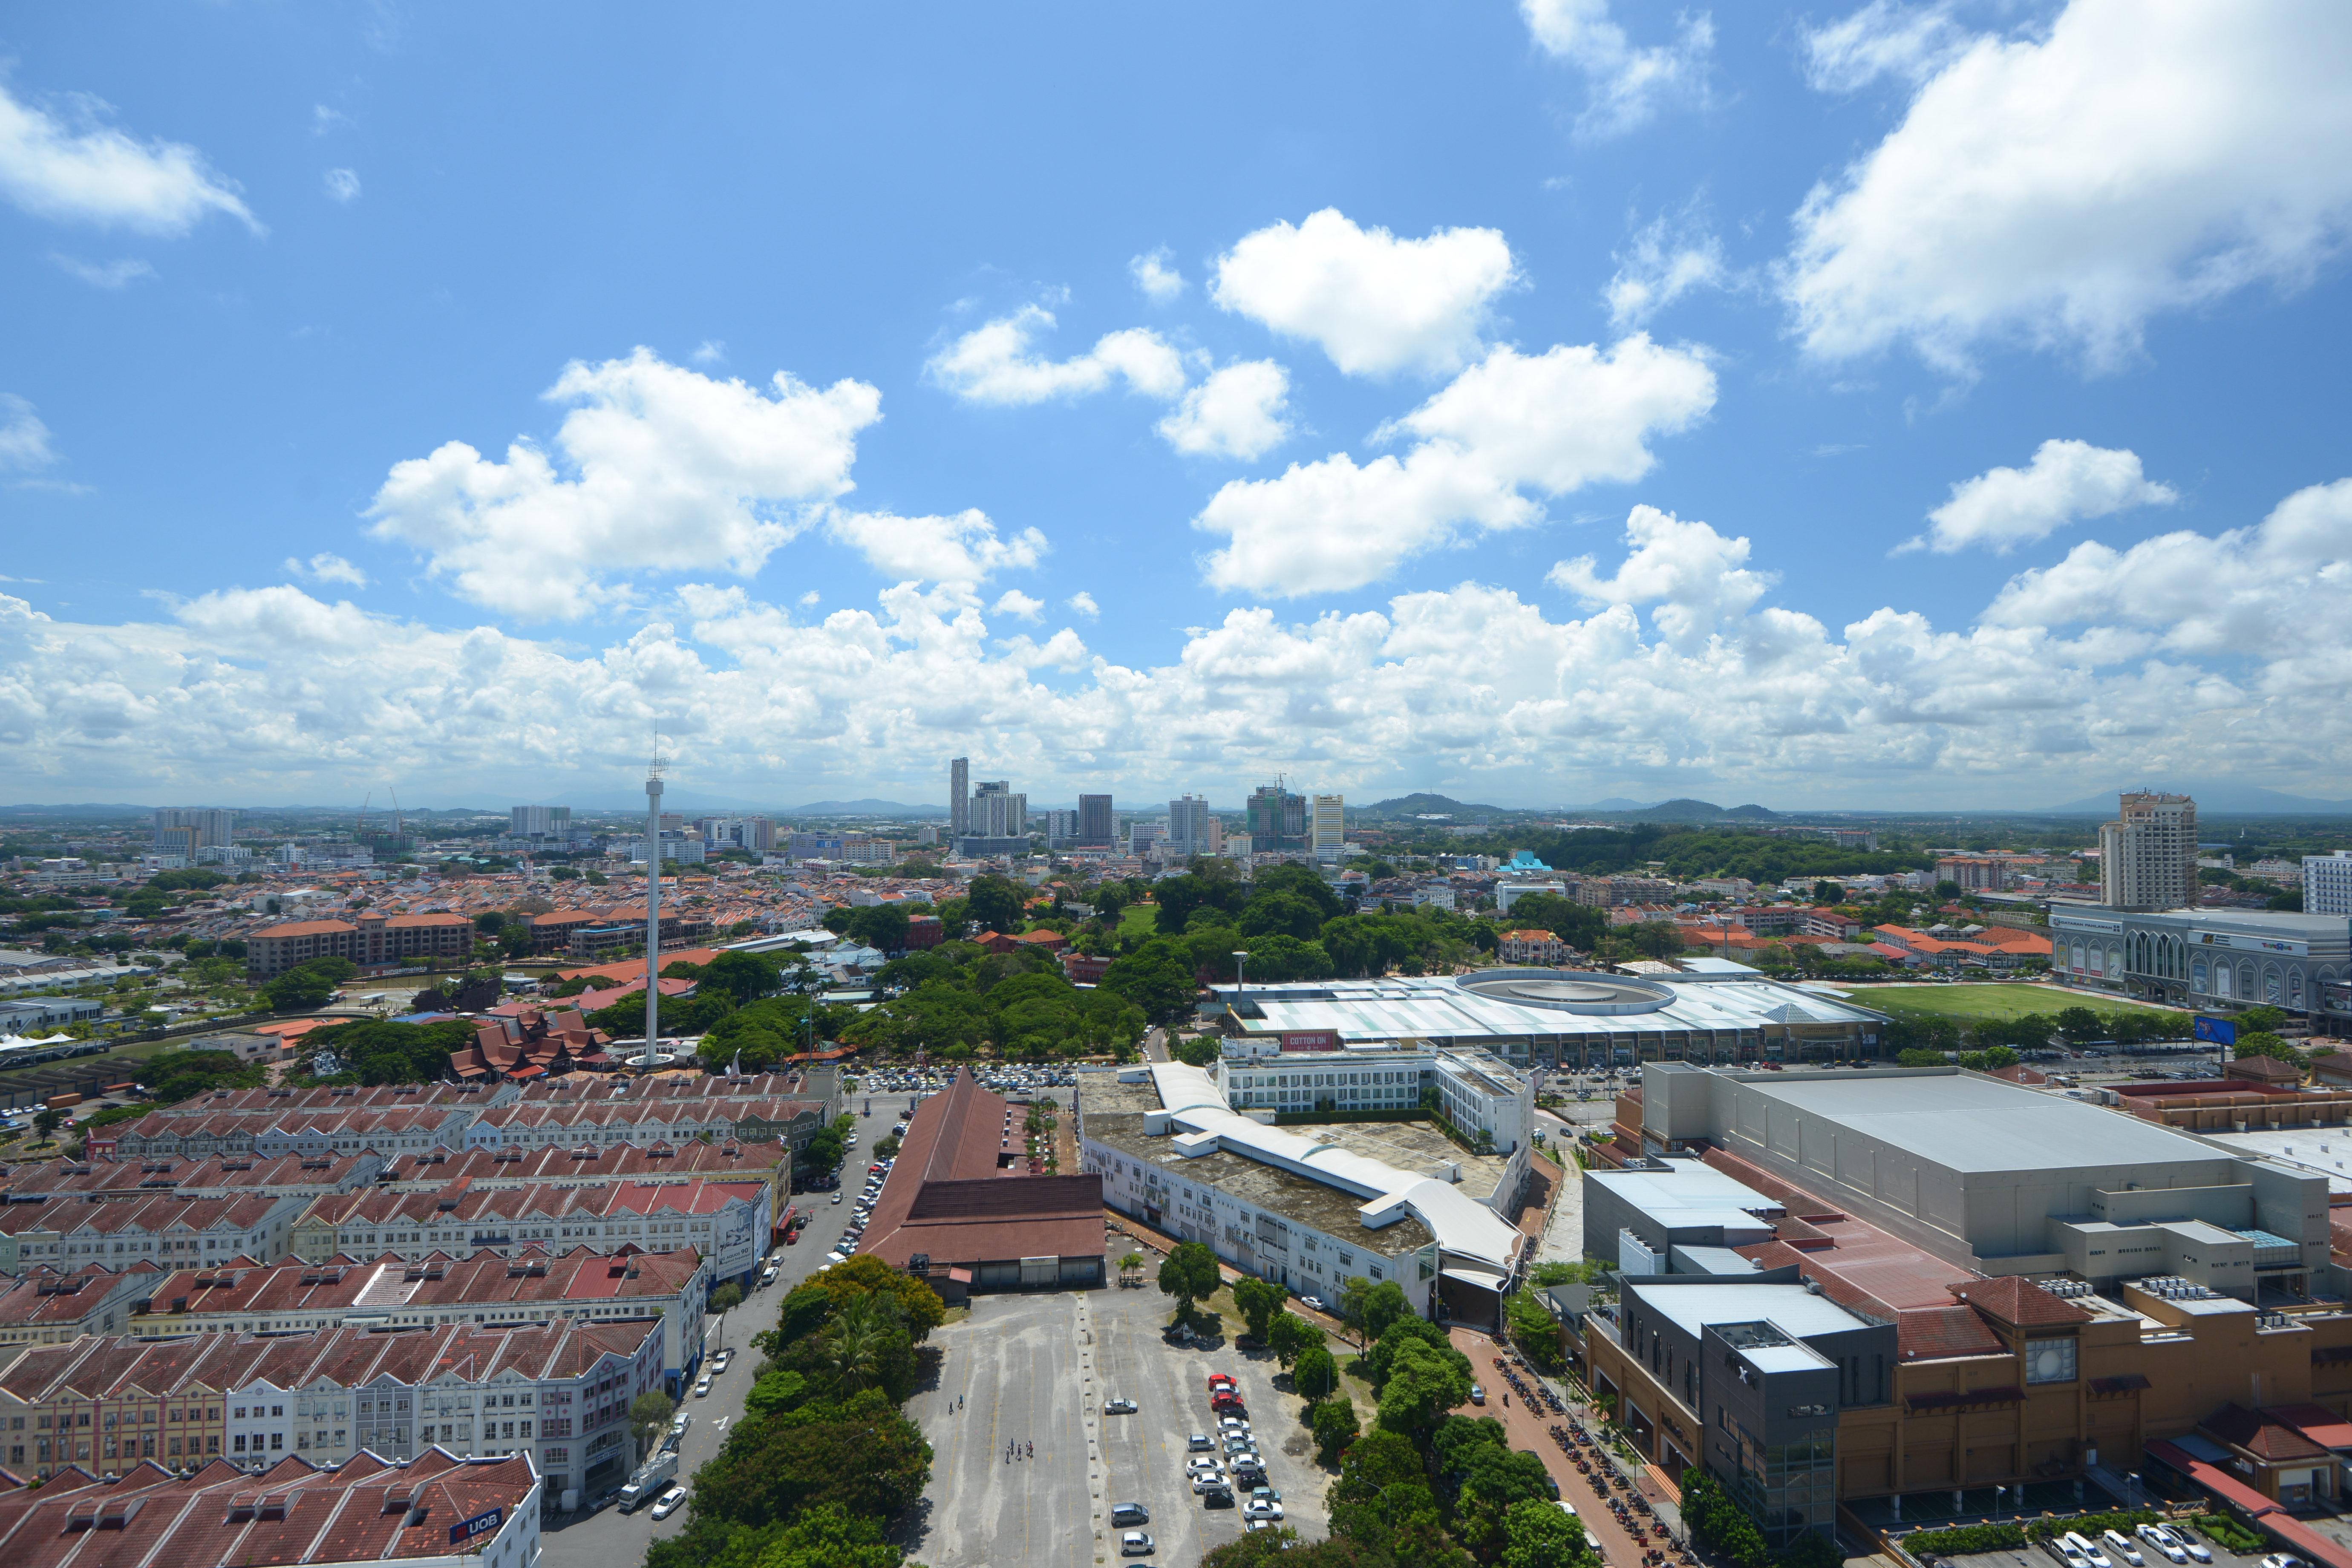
{"points": [[1241, 960]]}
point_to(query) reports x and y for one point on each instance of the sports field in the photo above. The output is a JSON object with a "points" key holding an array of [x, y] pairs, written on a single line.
{"points": [[1139, 921], [1971, 1003]]}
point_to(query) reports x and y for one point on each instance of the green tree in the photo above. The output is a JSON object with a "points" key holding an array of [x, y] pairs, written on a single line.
{"points": [[1281, 913], [1423, 1383], [1333, 1422], [744, 977], [727, 1297], [1382, 1305], [1258, 1300], [1919, 1058], [858, 1454], [994, 904], [1533, 1329], [2264, 1018], [1189, 1274], [1828, 893], [1540, 1534], [2262, 1044], [828, 1536], [301, 990], [1314, 1374], [1289, 1335], [46, 1120], [649, 1416], [1278, 960], [829, 1144], [1155, 978]]}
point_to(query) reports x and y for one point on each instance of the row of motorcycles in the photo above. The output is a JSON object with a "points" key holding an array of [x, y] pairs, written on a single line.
{"points": [[1583, 1450], [1538, 1394]]}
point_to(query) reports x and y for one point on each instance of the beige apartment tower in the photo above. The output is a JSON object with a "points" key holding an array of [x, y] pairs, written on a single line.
{"points": [[2147, 856]]}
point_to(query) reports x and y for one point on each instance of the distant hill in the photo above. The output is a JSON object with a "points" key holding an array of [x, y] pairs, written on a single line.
{"points": [[1420, 804], [2213, 797], [1682, 811], [1753, 814], [866, 807], [1618, 803]]}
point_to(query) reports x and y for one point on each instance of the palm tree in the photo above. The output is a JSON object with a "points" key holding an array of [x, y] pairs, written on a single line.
{"points": [[855, 1347]]}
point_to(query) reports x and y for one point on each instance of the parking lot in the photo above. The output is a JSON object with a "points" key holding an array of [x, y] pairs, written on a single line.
{"points": [[2037, 1556], [1037, 1370]]}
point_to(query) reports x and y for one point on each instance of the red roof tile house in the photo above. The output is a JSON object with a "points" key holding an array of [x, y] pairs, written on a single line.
{"points": [[961, 1207], [367, 1511]]}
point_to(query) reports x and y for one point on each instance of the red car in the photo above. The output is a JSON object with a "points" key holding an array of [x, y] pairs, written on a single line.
{"points": [[1221, 1379]]}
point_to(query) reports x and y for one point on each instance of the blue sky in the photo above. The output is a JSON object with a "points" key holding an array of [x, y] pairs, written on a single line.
{"points": [[1917, 405]]}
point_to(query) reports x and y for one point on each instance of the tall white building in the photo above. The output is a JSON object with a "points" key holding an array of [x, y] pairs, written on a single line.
{"points": [[1326, 825], [1188, 826], [2147, 855], [541, 822], [213, 829], [2327, 883], [958, 797], [996, 811]]}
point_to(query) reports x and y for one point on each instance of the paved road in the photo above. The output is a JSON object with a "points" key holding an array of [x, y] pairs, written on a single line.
{"points": [[610, 1538]]}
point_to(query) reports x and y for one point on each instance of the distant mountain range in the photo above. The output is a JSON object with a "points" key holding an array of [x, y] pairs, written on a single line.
{"points": [[2214, 797], [1425, 805]]}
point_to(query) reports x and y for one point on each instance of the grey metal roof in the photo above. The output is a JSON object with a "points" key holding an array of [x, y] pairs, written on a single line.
{"points": [[1973, 1124], [1433, 1007], [1793, 1309]]}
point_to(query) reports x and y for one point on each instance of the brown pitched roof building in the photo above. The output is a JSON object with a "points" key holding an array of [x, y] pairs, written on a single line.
{"points": [[961, 1207]]}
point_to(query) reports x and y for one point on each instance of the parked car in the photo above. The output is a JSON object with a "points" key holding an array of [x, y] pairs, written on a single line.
{"points": [[718, 1363], [1130, 1513], [1312, 1304], [2283, 1560], [670, 1502], [1477, 1393], [702, 1386], [1118, 1406], [1198, 1443], [1219, 1496], [2164, 1541], [2089, 1549], [2120, 1545], [1135, 1543], [2066, 1552]]}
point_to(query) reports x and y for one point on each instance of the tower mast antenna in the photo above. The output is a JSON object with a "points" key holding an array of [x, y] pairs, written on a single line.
{"points": [[653, 899]]}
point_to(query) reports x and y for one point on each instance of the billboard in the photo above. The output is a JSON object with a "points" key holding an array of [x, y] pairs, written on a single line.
{"points": [[1310, 1040], [2214, 1031], [465, 1530]]}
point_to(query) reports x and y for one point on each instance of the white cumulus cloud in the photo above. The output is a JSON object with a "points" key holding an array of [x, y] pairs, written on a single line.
{"points": [[1669, 257], [103, 273], [1083, 604], [661, 469], [1156, 275], [2059, 190], [1374, 304], [1884, 38], [89, 171], [965, 548], [1554, 422], [343, 184], [993, 364], [1236, 413], [24, 439], [1628, 83], [1013, 601], [1673, 668], [2067, 482], [327, 567]]}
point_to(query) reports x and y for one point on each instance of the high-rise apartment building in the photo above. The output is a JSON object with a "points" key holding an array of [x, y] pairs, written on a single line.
{"points": [[1097, 829], [758, 833], [996, 811], [2147, 855], [1328, 828], [2327, 883], [1277, 818], [1188, 826], [542, 823], [214, 829], [1061, 829], [958, 797]]}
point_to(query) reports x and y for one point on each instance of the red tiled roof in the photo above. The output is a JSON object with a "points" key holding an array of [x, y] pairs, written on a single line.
{"points": [[2014, 1299], [2317, 1421], [960, 1193], [1935, 1333], [2273, 1442], [293, 1513]]}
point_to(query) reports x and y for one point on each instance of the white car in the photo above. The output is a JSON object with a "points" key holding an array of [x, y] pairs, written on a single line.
{"points": [[2283, 1560], [2197, 1550], [2118, 1544], [2064, 1548], [718, 1363], [2089, 1549], [1207, 1480], [670, 1502], [702, 1386], [2163, 1540], [1259, 1507], [1135, 1543]]}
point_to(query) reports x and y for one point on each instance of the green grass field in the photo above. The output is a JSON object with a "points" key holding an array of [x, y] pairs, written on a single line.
{"points": [[1968, 1002], [1139, 921]]}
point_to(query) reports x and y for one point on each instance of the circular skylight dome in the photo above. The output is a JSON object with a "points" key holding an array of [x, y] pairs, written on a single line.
{"points": [[1567, 990]]}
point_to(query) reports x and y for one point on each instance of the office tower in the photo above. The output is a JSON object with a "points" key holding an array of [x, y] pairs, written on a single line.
{"points": [[1188, 827], [1216, 836], [2147, 855], [1143, 836], [1276, 818], [2327, 883], [215, 829], [181, 841], [542, 823], [1329, 828], [958, 797], [1095, 830]]}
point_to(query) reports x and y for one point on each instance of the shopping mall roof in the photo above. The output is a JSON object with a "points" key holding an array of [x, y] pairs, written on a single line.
{"points": [[1518, 1003], [1972, 1124]]}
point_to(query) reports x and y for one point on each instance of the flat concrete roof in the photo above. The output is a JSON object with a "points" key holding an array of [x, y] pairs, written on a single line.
{"points": [[1977, 1126], [2317, 1150], [1434, 1007], [1793, 1309]]}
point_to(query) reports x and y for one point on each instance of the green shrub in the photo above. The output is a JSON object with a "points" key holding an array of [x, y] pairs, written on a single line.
{"points": [[2227, 1531]]}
